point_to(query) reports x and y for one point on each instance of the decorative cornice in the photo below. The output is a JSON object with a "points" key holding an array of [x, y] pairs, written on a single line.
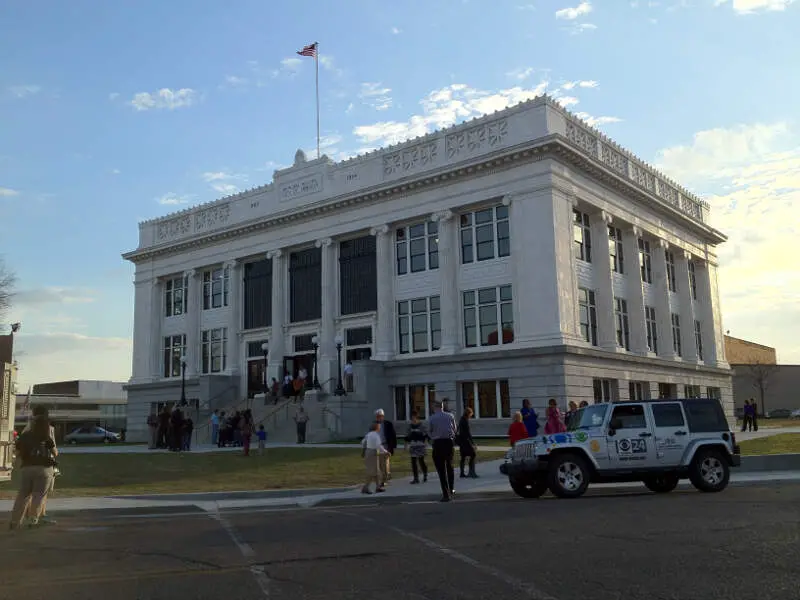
{"points": [[323, 243], [442, 216], [554, 146], [379, 230], [277, 253]]}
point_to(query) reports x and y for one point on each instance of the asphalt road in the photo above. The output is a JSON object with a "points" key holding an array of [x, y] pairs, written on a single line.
{"points": [[737, 545]]}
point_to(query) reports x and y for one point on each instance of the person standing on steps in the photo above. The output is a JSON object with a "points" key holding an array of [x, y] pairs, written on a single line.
{"points": [[301, 418], [466, 445], [417, 444], [389, 441], [442, 431]]}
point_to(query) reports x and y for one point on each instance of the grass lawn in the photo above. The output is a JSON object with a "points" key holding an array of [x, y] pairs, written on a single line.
{"points": [[782, 443], [770, 423], [167, 473]]}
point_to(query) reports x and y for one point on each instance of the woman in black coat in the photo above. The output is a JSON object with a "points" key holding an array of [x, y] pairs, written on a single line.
{"points": [[466, 445]]}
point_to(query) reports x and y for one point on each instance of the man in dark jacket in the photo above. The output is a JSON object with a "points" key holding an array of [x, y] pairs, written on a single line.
{"points": [[389, 440]]}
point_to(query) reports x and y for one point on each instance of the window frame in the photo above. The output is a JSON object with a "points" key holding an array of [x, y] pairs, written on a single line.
{"points": [[645, 260], [500, 225], [677, 346], [433, 324], [587, 300], [207, 353], [622, 323], [692, 278], [404, 263], [429, 400], [616, 251], [651, 327], [638, 391], [502, 407], [603, 390], [672, 280], [169, 356], [581, 228], [471, 304], [216, 284], [170, 303], [698, 338]]}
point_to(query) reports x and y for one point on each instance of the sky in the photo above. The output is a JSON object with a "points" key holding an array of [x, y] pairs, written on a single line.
{"points": [[116, 112]]}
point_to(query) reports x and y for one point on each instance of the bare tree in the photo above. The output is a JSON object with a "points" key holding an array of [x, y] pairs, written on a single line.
{"points": [[761, 377], [7, 281]]}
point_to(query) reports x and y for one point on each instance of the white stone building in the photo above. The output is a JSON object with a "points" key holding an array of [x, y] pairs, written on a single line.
{"points": [[519, 255]]}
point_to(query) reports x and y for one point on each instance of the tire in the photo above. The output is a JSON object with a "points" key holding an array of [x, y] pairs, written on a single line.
{"points": [[709, 471], [529, 488], [568, 476], [662, 484]]}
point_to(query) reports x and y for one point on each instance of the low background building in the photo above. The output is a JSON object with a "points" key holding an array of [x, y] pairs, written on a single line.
{"points": [[744, 352], [72, 404]]}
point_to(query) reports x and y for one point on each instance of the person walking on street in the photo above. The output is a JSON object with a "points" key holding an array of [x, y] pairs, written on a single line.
{"points": [[371, 450], [466, 445], [301, 418], [389, 441], [417, 444], [442, 431], [37, 453]]}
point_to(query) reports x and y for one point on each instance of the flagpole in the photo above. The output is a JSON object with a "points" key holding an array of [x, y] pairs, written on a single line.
{"points": [[316, 64]]}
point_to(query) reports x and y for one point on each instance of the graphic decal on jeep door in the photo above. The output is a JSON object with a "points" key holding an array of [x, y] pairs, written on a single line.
{"points": [[629, 448]]}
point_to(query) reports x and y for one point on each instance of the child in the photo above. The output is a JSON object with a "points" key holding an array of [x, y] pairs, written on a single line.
{"points": [[262, 438]]}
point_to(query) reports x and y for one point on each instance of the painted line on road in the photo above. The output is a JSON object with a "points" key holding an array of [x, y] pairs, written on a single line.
{"points": [[257, 571], [530, 590]]}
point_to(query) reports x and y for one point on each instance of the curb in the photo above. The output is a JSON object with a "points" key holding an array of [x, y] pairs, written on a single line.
{"points": [[770, 462]]}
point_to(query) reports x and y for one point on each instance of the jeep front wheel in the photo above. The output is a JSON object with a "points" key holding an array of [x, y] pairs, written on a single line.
{"points": [[529, 488], [709, 471], [661, 484], [568, 476]]}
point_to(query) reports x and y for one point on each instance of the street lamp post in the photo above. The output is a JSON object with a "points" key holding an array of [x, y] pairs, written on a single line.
{"points": [[265, 350], [183, 381], [339, 387], [315, 343]]}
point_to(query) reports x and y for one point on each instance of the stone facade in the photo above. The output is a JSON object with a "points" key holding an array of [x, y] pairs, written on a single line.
{"points": [[523, 254]]}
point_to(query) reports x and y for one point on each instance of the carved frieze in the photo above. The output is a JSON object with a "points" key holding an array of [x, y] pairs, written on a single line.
{"points": [[615, 160], [410, 159], [582, 138], [174, 228], [301, 187], [212, 217], [486, 136]]}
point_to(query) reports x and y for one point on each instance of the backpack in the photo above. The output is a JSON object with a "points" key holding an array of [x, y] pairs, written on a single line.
{"points": [[33, 451]]}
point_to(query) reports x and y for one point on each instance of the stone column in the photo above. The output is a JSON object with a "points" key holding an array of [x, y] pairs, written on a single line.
{"points": [[327, 324], [193, 307], [661, 295], [713, 340], [448, 268], [686, 309], [234, 316], [157, 312], [277, 336], [384, 335], [603, 281], [144, 346], [633, 283]]}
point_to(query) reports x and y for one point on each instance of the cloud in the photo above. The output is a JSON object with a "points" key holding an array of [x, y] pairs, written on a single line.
{"points": [[747, 7], [376, 95], [53, 295], [597, 121], [164, 98], [222, 181], [521, 74], [750, 175], [234, 81], [8, 192], [23, 91], [291, 64], [171, 199], [453, 104], [572, 13], [328, 145], [577, 28], [328, 63], [571, 85], [113, 96], [115, 171], [395, 31]]}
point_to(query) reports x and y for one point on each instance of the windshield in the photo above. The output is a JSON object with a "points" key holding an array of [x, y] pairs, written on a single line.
{"points": [[588, 417]]}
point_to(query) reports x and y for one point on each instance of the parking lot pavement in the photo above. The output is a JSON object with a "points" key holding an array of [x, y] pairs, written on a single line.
{"points": [[737, 545]]}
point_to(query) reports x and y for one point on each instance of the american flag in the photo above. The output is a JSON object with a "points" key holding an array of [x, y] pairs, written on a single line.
{"points": [[310, 50]]}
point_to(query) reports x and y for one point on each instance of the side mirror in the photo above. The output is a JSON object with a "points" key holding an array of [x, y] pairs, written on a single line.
{"points": [[614, 425]]}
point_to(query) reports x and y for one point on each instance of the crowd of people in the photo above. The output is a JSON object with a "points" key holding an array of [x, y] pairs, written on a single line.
{"points": [[170, 429]]}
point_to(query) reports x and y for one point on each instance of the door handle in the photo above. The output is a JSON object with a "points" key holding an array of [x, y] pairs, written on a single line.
{"points": [[680, 433], [645, 434]]}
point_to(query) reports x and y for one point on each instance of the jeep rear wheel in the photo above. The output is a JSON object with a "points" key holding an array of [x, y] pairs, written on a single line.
{"points": [[709, 471], [568, 476], [529, 488], [661, 484]]}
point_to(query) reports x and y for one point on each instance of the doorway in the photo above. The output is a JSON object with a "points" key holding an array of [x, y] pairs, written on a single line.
{"points": [[293, 364]]}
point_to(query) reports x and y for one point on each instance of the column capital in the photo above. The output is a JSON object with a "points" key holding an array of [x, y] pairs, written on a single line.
{"points": [[606, 217], [379, 230], [662, 243], [277, 253], [687, 255], [323, 243], [442, 216], [190, 273], [230, 264], [509, 198], [637, 231], [573, 198]]}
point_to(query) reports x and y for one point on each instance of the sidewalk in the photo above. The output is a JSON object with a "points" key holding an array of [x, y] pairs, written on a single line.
{"points": [[490, 482]]}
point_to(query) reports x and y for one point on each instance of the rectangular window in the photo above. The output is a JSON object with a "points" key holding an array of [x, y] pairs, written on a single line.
{"points": [[667, 390], [485, 235], [623, 326], [174, 350], [603, 390], [582, 236], [705, 416], [714, 393], [615, 251], [692, 279], [215, 288], [698, 339], [676, 334], [419, 325], [668, 414], [652, 328], [305, 285], [418, 398], [360, 336], [645, 261], [417, 248], [588, 315], [257, 294], [639, 390], [672, 282], [304, 343], [487, 399], [358, 276], [691, 391], [256, 349], [213, 350], [175, 295], [488, 316]]}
